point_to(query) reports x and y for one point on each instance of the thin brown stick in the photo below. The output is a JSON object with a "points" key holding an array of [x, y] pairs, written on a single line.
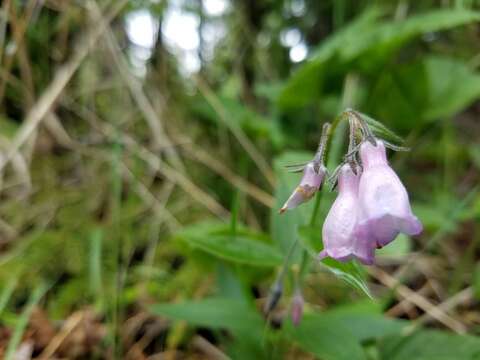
{"points": [[404, 306], [410, 295], [159, 137], [461, 297], [210, 350], [215, 165], [155, 163], [62, 77], [72, 322]]}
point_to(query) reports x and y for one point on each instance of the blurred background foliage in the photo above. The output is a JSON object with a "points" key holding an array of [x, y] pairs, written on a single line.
{"points": [[142, 148]]}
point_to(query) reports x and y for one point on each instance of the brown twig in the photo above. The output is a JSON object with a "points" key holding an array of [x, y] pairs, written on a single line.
{"points": [[159, 137], [61, 78], [72, 322], [221, 169], [410, 295]]}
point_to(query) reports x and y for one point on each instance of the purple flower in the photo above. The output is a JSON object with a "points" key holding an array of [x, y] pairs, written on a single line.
{"points": [[312, 179], [384, 205], [339, 238], [297, 308]]}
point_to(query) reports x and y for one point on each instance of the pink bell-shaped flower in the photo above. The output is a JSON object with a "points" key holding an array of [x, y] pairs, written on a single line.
{"points": [[313, 175], [339, 239], [384, 205]]}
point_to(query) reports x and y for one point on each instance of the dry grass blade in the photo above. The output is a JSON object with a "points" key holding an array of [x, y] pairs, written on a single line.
{"points": [[150, 199], [249, 147], [159, 137], [61, 78], [154, 162], [411, 296], [215, 165], [405, 306], [3, 26], [143, 192], [211, 351], [461, 297], [71, 323]]}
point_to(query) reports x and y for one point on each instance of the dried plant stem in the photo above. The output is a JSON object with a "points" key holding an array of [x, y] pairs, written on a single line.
{"points": [[415, 298], [244, 141], [61, 78], [159, 137], [237, 181], [154, 162]]}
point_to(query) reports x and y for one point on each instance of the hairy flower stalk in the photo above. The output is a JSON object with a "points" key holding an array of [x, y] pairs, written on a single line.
{"points": [[339, 239], [313, 176], [385, 209]]}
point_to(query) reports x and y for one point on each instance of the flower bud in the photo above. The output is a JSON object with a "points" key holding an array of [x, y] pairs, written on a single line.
{"points": [[385, 208], [339, 239], [297, 308], [313, 176], [274, 296]]}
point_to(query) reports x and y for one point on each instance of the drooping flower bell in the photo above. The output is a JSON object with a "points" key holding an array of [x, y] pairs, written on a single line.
{"points": [[384, 204], [339, 239], [313, 175]]}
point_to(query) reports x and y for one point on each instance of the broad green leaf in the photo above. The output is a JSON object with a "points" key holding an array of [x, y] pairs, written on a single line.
{"points": [[244, 247], [432, 88], [305, 84], [430, 345], [216, 313], [366, 326], [244, 322], [388, 35], [365, 43], [325, 338]]}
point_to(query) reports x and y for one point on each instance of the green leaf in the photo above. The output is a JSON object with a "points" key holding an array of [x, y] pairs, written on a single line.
{"points": [[363, 45], [326, 339], [23, 319], [305, 84], [434, 87], [430, 345], [243, 321], [216, 313], [387, 36], [381, 130], [244, 247], [365, 326]]}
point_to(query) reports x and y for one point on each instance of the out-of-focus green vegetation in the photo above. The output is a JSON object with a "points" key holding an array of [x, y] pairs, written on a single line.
{"points": [[141, 179]]}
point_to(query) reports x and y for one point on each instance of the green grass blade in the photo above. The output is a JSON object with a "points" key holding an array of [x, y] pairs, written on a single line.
{"points": [[22, 322]]}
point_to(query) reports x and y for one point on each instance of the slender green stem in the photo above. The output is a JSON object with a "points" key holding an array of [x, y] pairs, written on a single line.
{"points": [[318, 197]]}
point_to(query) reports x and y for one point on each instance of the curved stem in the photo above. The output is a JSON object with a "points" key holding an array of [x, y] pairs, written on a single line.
{"points": [[318, 197]]}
